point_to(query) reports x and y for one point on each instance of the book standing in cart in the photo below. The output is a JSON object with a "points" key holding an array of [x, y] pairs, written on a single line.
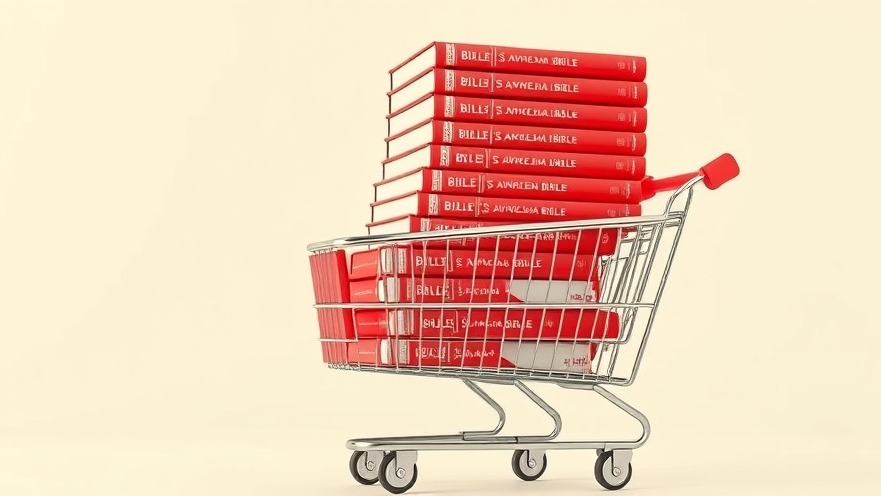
{"points": [[486, 284]]}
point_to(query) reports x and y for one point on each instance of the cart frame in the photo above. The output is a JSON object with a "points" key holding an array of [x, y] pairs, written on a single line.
{"points": [[392, 460]]}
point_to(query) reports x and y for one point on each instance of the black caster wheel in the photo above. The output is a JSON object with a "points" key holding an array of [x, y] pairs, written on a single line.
{"points": [[394, 479], [364, 468], [609, 477], [529, 466]]}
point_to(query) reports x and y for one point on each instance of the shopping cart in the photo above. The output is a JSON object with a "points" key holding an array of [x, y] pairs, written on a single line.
{"points": [[567, 303]]}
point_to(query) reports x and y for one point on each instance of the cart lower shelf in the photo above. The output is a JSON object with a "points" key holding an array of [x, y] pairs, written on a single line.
{"points": [[391, 461]]}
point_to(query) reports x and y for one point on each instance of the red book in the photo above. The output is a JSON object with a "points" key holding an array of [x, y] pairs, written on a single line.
{"points": [[491, 185], [520, 87], [390, 289], [318, 294], [418, 261], [490, 324], [513, 209], [520, 60], [516, 161], [541, 356], [487, 135], [330, 284], [518, 112], [596, 241]]}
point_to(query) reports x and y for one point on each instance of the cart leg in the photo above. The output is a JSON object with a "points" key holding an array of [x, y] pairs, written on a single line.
{"points": [[491, 435], [613, 469], [633, 412], [558, 421], [489, 401], [369, 444]]}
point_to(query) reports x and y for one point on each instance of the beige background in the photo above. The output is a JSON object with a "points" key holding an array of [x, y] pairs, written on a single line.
{"points": [[164, 164]]}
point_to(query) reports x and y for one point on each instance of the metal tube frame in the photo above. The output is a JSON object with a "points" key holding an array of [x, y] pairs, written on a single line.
{"points": [[489, 440], [407, 446]]}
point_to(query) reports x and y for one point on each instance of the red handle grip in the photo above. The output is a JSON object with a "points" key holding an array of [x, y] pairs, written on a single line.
{"points": [[721, 170], [715, 173]]}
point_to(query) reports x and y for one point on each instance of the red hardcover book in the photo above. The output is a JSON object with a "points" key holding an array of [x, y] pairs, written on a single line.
{"points": [[520, 60], [331, 285], [516, 161], [491, 185], [518, 112], [318, 296], [390, 289], [513, 209], [491, 324], [597, 241], [520, 87], [397, 352], [330, 350], [487, 135], [418, 261]]}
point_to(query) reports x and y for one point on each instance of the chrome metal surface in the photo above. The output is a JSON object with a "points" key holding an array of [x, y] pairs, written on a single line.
{"points": [[497, 442], [491, 402], [629, 282]]}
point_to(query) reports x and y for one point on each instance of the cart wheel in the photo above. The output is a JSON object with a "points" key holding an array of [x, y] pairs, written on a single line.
{"points": [[363, 469], [606, 474], [394, 479], [528, 466]]}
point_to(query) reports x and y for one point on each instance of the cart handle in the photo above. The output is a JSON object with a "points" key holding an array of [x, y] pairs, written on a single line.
{"points": [[715, 173]]}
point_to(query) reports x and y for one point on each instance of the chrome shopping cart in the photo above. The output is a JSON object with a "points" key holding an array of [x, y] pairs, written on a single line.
{"points": [[567, 303]]}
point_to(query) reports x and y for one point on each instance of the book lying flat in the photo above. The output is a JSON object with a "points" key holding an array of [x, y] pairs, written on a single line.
{"points": [[392, 289], [599, 241], [417, 261], [524, 137], [499, 185], [460, 82], [519, 60], [518, 112], [492, 324], [540, 356], [516, 161], [523, 210]]}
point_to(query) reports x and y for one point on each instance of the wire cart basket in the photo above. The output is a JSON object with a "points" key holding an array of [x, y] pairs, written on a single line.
{"points": [[567, 303]]}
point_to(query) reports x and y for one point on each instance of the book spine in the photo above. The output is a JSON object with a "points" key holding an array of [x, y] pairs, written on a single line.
{"points": [[596, 241], [538, 138], [490, 324], [421, 261], [537, 187], [538, 162], [331, 285], [540, 88], [496, 58], [480, 354], [545, 114], [317, 291], [450, 290], [520, 209]]}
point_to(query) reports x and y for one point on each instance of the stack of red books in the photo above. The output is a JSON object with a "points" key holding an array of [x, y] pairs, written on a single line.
{"points": [[486, 133], [483, 135]]}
